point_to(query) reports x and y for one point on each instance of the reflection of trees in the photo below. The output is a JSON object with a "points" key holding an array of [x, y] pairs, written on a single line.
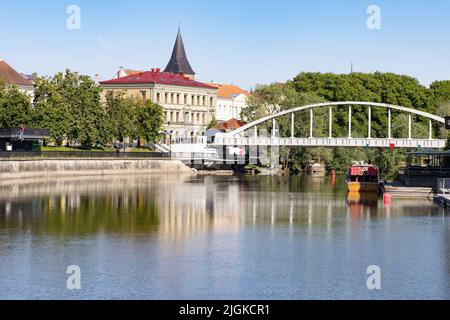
{"points": [[133, 212], [180, 207]]}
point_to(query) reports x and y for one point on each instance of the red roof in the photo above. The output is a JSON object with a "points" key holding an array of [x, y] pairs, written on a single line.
{"points": [[230, 125], [150, 77], [11, 76]]}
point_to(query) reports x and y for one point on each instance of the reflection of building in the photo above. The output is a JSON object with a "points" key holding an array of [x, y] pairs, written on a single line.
{"points": [[231, 100], [189, 105], [13, 78]]}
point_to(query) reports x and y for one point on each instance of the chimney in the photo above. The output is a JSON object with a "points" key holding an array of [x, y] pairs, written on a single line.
{"points": [[158, 70], [121, 73], [97, 78]]}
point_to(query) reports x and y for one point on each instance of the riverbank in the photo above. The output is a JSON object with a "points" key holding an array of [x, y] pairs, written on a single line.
{"points": [[15, 169]]}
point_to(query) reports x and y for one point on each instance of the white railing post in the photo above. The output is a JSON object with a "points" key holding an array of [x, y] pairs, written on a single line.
{"points": [[369, 135], [311, 121]]}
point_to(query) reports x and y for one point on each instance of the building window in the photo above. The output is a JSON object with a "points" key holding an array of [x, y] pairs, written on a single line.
{"points": [[144, 95], [211, 101], [158, 97], [166, 97], [204, 118]]}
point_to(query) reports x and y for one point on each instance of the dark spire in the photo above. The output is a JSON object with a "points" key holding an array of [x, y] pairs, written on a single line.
{"points": [[179, 62]]}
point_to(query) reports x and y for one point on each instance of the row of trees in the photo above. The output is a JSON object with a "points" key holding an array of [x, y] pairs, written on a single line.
{"points": [[309, 88], [70, 106]]}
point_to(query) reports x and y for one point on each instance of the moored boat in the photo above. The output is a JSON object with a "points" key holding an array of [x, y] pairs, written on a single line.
{"points": [[363, 178]]}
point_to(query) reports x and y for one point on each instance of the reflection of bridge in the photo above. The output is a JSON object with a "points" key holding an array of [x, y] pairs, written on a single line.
{"points": [[249, 135]]}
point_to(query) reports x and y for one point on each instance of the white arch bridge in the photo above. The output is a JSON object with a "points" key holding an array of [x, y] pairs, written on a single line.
{"points": [[249, 135]]}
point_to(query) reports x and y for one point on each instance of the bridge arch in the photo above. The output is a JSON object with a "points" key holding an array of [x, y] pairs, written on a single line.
{"points": [[333, 104]]}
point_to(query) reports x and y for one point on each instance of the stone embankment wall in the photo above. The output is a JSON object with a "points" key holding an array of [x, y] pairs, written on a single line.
{"points": [[13, 169]]}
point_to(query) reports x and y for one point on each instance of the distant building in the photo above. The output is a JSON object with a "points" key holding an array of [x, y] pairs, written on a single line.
{"points": [[13, 78], [223, 127], [231, 100], [189, 105]]}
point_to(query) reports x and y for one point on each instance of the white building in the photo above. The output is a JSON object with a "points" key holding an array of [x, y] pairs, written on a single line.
{"points": [[231, 100], [13, 78]]}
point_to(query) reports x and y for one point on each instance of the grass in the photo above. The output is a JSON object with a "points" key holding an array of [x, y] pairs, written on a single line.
{"points": [[67, 149]]}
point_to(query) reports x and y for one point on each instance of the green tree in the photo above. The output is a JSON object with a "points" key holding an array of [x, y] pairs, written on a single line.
{"points": [[121, 113], [51, 110], [15, 107], [212, 123], [150, 121]]}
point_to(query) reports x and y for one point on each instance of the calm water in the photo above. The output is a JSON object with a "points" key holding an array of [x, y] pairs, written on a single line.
{"points": [[168, 237]]}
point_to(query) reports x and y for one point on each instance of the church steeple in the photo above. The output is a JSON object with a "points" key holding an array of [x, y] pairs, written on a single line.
{"points": [[179, 62]]}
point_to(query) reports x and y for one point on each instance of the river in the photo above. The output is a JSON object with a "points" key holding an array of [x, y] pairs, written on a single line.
{"points": [[187, 237]]}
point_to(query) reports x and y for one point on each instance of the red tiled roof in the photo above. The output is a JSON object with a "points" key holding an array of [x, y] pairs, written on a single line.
{"points": [[228, 91], [167, 78], [11, 76], [229, 125]]}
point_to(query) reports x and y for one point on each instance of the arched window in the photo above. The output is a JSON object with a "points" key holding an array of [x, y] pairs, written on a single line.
{"points": [[158, 97]]}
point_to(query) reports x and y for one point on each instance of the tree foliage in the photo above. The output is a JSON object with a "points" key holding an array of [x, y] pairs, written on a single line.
{"points": [[150, 121], [15, 107], [309, 88]]}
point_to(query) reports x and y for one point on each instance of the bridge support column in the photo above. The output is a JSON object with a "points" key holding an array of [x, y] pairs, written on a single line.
{"points": [[292, 125], [330, 123], [431, 129], [369, 130], [311, 123], [389, 124], [350, 122], [256, 132], [274, 128], [410, 126]]}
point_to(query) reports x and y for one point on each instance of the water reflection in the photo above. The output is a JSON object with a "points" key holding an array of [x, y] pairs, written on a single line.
{"points": [[234, 232], [184, 205], [170, 206]]}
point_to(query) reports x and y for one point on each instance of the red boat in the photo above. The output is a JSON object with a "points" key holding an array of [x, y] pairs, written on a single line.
{"points": [[363, 178]]}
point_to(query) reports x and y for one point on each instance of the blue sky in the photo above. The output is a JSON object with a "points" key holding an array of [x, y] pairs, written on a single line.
{"points": [[245, 42]]}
